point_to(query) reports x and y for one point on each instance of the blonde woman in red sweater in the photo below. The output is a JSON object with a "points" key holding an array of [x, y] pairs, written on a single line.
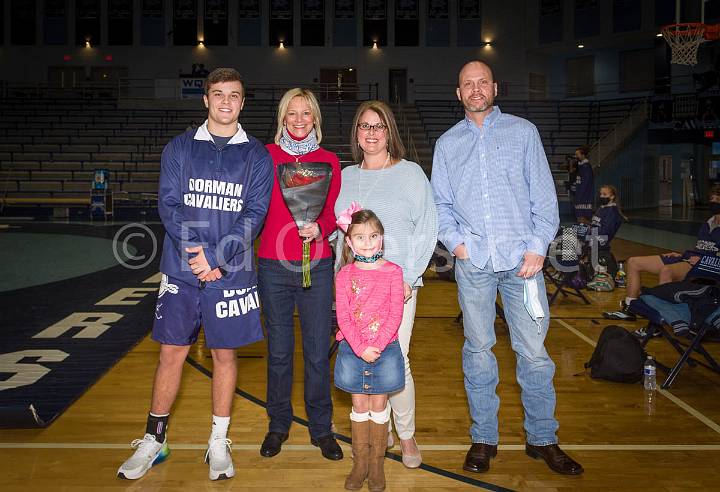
{"points": [[298, 139]]}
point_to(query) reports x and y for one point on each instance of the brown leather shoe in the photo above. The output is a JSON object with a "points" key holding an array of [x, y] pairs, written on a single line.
{"points": [[555, 458], [478, 457]]}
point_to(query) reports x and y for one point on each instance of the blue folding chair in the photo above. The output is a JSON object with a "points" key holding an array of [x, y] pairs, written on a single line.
{"points": [[660, 315]]}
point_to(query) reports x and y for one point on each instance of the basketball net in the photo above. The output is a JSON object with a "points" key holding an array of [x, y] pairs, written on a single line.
{"points": [[684, 40]]}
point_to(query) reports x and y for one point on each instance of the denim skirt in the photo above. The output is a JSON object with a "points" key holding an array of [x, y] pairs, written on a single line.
{"points": [[385, 375]]}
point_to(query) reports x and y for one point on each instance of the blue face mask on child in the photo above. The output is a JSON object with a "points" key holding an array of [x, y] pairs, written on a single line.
{"points": [[368, 259]]}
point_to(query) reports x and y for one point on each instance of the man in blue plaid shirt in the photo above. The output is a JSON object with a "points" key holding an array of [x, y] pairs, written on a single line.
{"points": [[498, 212]]}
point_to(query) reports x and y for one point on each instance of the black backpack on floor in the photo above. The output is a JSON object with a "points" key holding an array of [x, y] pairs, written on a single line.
{"points": [[618, 356]]}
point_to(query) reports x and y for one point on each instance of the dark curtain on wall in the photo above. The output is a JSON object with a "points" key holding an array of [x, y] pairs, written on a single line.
{"points": [[249, 23], [55, 22], [587, 18], [216, 22], [374, 22], [152, 23], [281, 22], [87, 22], [438, 23], [344, 23], [312, 23], [185, 22], [22, 22], [469, 23], [407, 23], [120, 22], [550, 26]]}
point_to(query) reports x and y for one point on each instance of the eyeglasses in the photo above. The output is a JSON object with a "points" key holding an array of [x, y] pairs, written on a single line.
{"points": [[378, 127]]}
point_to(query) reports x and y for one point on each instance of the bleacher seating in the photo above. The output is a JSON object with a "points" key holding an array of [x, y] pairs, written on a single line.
{"points": [[563, 125], [50, 148]]}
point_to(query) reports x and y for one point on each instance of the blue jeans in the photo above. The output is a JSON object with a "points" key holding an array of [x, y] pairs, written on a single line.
{"points": [[280, 291], [477, 291]]}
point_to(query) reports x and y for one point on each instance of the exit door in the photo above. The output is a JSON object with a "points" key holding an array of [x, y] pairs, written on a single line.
{"points": [[398, 85], [338, 84]]}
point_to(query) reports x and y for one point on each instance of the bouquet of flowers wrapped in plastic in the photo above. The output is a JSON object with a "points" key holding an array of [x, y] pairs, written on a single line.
{"points": [[305, 187]]}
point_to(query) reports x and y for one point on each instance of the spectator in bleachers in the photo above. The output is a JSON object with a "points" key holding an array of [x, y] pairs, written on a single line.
{"points": [[584, 187], [673, 266], [202, 71], [297, 139]]}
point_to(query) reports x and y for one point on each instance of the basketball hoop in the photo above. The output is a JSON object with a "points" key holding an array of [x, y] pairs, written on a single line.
{"points": [[684, 40]]}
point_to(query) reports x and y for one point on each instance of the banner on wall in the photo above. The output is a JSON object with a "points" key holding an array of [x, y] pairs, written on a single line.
{"points": [[54, 8], [184, 9], [438, 9], [281, 9], [152, 8], [344, 9], [119, 9], [249, 9], [406, 9], [192, 88], [375, 10], [313, 9], [469, 9], [88, 9]]}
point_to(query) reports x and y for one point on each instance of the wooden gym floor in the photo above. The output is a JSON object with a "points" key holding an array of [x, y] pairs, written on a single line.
{"points": [[603, 425]]}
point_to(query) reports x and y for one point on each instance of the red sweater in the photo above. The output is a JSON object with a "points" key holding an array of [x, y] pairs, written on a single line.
{"points": [[280, 241]]}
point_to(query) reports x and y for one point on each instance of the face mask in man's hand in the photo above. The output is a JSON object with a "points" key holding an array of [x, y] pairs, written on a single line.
{"points": [[532, 301]]}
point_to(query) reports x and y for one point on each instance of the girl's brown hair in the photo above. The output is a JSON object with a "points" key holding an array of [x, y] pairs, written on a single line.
{"points": [[358, 218], [396, 149], [614, 193]]}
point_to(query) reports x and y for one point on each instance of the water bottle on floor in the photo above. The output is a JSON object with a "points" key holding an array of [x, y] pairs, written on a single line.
{"points": [[649, 374], [650, 385], [620, 275]]}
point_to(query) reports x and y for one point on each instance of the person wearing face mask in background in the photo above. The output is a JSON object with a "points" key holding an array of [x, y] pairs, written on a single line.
{"points": [[673, 266], [605, 223], [298, 139]]}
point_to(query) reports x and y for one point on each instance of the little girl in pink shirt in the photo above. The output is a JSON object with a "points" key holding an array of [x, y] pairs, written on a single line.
{"points": [[369, 303]]}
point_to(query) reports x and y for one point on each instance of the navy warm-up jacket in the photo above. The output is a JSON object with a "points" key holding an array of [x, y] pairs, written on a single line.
{"points": [[216, 198]]}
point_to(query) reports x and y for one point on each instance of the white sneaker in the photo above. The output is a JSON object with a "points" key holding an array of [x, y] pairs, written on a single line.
{"points": [[218, 456], [148, 452]]}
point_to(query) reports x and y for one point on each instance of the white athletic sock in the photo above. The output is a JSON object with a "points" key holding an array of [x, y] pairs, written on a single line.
{"points": [[219, 427], [628, 300]]}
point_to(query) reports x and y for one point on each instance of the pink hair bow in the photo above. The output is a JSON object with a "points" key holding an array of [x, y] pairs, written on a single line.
{"points": [[345, 217]]}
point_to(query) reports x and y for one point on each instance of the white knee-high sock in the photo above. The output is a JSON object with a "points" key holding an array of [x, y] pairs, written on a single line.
{"points": [[380, 417], [359, 417]]}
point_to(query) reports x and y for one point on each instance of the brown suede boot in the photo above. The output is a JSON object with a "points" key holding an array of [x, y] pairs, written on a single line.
{"points": [[378, 446], [361, 455]]}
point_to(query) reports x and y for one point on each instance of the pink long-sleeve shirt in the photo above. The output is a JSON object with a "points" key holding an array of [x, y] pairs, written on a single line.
{"points": [[369, 305]]}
